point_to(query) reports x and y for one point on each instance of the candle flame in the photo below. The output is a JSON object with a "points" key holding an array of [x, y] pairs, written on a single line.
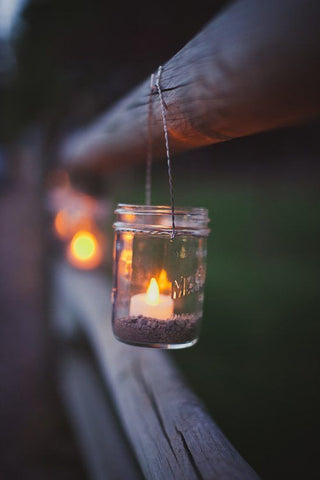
{"points": [[83, 245], [164, 284], [153, 296], [84, 250]]}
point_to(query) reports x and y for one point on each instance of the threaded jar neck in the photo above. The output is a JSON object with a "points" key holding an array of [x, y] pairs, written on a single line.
{"points": [[157, 219]]}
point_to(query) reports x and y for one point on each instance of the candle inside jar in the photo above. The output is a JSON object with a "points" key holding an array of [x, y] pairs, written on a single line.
{"points": [[152, 304]]}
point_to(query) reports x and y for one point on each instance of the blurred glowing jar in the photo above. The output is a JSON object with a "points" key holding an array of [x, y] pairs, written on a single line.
{"points": [[159, 281], [67, 222], [85, 250]]}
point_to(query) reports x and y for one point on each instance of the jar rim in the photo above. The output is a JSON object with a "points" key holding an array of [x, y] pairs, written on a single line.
{"points": [[162, 209], [156, 219]]}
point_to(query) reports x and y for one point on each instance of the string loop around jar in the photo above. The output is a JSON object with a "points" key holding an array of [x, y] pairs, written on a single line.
{"points": [[158, 88]]}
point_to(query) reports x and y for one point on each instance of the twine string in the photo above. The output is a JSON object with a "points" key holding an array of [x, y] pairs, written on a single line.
{"points": [[166, 138]]}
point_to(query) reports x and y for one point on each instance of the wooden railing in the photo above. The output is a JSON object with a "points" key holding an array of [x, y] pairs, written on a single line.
{"points": [[170, 433], [254, 67]]}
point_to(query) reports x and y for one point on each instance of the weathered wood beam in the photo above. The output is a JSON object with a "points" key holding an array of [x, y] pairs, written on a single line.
{"points": [[169, 429], [105, 449], [254, 67]]}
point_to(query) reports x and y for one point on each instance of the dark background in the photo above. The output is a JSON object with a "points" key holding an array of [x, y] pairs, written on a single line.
{"points": [[257, 364]]}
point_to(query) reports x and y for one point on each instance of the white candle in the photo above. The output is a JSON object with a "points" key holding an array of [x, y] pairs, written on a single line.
{"points": [[152, 304]]}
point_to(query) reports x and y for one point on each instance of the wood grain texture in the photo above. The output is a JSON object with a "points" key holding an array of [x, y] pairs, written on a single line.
{"points": [[169, 429], [254, 67], [105, 450]]}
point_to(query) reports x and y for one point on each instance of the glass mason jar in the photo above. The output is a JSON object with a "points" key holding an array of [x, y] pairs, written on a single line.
{"points": [[158, 280]]}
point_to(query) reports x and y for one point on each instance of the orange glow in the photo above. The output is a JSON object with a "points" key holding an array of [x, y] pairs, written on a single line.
{"points": [[67, 223], [127, 237], [125, 261], [129, 217], [153, 294], [83, 245], [84, 250], [126, 256], [164, 284], [61, 224]]}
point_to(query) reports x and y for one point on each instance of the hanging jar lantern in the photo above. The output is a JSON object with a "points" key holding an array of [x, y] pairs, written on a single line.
{"points": [[159, 263], [159, 280]]}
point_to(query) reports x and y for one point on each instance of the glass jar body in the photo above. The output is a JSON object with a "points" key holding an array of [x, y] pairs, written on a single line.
{"points": [[158, 280]]}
